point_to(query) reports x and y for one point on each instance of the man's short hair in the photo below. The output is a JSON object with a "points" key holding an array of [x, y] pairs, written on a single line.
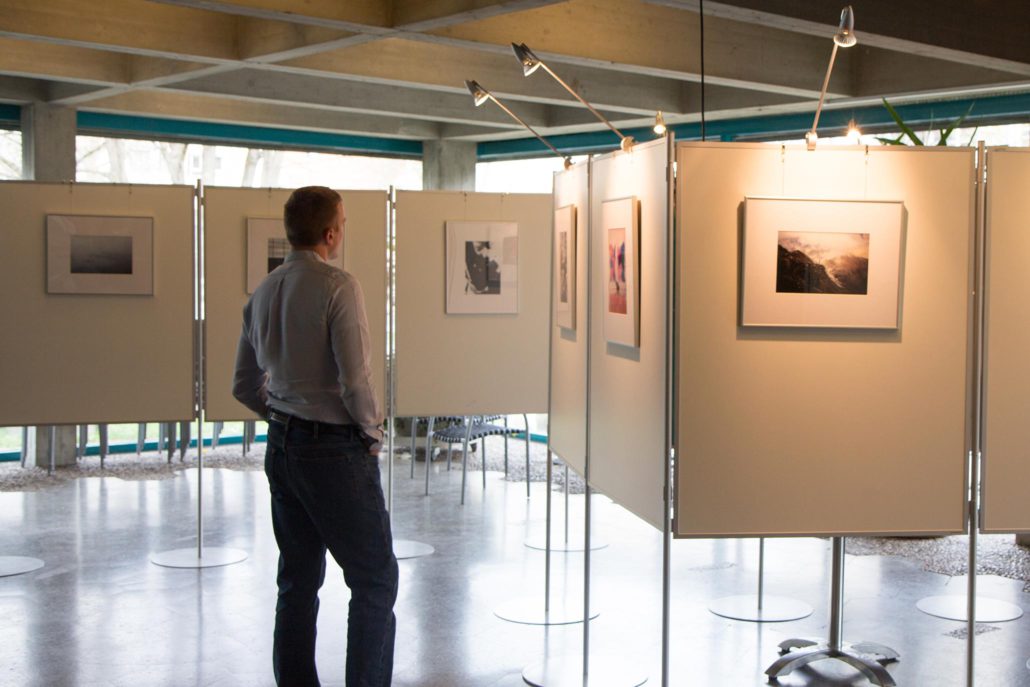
{"points": [[309, 212]]}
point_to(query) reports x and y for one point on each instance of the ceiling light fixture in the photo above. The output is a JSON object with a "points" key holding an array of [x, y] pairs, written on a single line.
{"points": [[844, 38], [659, 124], [480, 95], [530, 63]]}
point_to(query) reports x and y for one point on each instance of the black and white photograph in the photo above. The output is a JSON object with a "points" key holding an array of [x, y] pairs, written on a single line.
{"points": [[278, 249], [267, 248], [564, 297], [91, 254], [822, 262], [101, 254], [482, 268]]}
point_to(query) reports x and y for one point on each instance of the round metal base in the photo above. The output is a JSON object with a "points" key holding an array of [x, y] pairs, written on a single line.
{"points": [[211, 557], [18, 565], [775, 609], [529, 610], [575, 543], [566, 671], [955, 608], [405, 548]]}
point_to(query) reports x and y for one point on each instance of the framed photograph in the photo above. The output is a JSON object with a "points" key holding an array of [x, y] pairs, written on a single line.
{"points": [[620, 227], [482, 268], [565, 267], [822, 263], [267, 248], [100, 255]]}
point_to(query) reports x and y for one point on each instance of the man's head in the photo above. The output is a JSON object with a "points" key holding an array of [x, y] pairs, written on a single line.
{"points": [[314, 218]]}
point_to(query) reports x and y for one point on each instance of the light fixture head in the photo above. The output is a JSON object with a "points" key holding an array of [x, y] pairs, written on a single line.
{"points": [[845, 36], [854, 133], [479, 94], [530, 62], [659, 124], [811, 138]]}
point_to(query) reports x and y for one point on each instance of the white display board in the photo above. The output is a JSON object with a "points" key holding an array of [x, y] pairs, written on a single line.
{"points": [[226, 211], [77, 358], [794, 431], [628, 383], [1006, 455], [469, 364], [567, 432]]}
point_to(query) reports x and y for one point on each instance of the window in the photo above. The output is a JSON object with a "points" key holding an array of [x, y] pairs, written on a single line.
{"points": [[10, 155]]}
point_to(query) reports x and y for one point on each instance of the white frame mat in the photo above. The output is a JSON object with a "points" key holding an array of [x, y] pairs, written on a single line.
{"points": [[459, 235], [62, 277], [622, 214], [565, 257], [766, 219]]}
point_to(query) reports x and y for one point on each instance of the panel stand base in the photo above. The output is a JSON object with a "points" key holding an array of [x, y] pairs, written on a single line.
{"points": [[567, 671], [868, 658], [406, 548], [210, 557], [772, 609], [954, 607], [539, 542], [529, 610], [18, 565]]}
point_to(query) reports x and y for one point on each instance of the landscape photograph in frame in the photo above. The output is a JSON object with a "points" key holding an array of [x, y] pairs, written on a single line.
{"points": [[481, 270], [620, 235], [267, 248], [565, 267], [822, 263], [90, 254]]}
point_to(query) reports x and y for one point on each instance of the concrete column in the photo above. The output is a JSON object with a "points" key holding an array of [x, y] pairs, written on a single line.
{"points": [[449, 165], [48, 142], [1023, 539], [48, 154]]}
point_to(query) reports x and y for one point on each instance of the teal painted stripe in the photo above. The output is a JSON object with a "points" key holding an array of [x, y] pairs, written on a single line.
{"points": [[213, 132], [130, 447], [985, 111], [10, 114]]}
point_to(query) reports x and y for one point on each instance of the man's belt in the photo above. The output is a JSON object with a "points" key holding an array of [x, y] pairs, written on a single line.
{"points": [[311, 425]]}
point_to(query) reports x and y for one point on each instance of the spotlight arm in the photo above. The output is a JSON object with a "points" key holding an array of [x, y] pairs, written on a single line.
{"points": [[568, 161], [590, 107], [811, 137]]}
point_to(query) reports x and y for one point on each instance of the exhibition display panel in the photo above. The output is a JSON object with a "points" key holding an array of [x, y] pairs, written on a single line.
{"points": [[1006, 435], [486, 359], [628, 391], [833, 430], [567, 420], [98, 299], [239, 247]]}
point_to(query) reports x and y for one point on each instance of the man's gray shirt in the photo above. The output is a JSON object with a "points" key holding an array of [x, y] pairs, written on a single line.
{"points": [[304, 349]]}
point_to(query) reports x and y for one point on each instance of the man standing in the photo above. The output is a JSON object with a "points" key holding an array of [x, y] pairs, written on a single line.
{"points": [[304, 363]]}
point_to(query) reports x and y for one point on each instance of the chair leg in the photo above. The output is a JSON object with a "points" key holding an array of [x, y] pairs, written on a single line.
{"points": [[505, 445], [172, 431], [141, 437], [414, 442], [482, 458], [465, 457], [429, 451], [184, 439], [525, 419], [216, 434], [24, 445], [80, 450]]}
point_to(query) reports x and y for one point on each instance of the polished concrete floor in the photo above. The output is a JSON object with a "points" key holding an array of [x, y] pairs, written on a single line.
{"points": [[100, 614]]}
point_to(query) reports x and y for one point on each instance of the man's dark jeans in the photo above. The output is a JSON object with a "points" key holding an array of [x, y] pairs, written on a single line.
{"points": [[326, 492]]}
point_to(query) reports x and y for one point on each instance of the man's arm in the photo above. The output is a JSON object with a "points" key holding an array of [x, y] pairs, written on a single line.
{"points": [[348, 334], [249, 381]]}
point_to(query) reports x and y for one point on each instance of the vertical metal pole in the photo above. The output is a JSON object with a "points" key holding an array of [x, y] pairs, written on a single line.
{"points": [[52, 451], [671, 293], [761, 571], [837, 594], [566, 505], [976, 454], [547, 536], [198, 301], [586, 466], [391, 325]]}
